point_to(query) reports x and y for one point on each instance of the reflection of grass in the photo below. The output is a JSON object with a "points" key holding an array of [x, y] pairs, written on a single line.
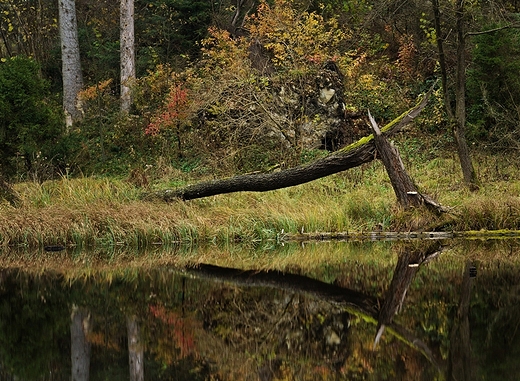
{"points": [[108, 212]]}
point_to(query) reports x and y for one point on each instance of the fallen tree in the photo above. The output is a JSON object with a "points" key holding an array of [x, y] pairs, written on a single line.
{"points": [[361, 152]]}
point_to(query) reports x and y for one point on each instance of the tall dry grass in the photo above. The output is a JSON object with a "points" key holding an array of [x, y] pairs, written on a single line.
{"points": [[108, 212]]}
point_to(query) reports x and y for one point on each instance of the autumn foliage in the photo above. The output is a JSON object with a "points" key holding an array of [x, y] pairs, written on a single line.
{"points": [[174, 112]]}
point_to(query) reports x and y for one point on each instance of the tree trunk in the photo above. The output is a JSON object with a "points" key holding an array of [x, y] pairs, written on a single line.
{"points": [[459, 132], [71, 64], [361, 152], [442, 58], [127, 47], [457, 120], [80, 346], [404, 188]]}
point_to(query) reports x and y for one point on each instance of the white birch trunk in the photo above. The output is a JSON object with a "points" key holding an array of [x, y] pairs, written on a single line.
{"points": [[127, 52], [71, 64]]}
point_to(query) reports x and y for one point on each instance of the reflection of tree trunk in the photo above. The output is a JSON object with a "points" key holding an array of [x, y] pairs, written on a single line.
{"points": [[80, 346], [459, 367], [324, 291], [356, 154], [135, 349], [339, 296], [405, 270], [291, 283]]}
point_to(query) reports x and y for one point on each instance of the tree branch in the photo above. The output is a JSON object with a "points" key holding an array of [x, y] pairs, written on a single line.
{"points": [[492, 30]]}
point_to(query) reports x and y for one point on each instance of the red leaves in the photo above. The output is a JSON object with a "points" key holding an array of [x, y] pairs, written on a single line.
{"points": [[175, 110]]}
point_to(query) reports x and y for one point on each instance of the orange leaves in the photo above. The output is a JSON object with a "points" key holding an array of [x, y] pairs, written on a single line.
{"points": [[95, 91]]}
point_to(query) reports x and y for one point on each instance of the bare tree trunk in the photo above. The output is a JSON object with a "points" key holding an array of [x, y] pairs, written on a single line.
{"points": [[457, 120], [71, 64], [80, 347], [127, 47], [459, 132], [404, 188], [135, 349]]}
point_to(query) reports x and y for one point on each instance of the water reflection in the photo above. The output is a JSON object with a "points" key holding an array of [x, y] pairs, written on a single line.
{"points": [[313, 316]]}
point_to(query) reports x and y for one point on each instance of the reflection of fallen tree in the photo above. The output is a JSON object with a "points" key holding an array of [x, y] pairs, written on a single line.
{"points": [[292, 283], [405, 270], [361, 152], [354, 302]]}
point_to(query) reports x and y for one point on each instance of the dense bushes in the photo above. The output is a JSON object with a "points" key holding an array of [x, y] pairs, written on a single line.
{"points": [[30, 120]]}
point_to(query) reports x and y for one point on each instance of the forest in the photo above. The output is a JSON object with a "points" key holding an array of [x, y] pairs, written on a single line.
{"points": [[216, 172], [242, 86], [162, 94]]}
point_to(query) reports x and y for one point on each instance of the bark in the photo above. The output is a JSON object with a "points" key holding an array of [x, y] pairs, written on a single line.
{"points": [[356, 154], [71, 64], [135, 349], [442, 58], [404, 187], [127, 46], [80, 346]]}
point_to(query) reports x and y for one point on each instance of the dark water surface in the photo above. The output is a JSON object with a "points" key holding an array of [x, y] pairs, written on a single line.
{"points": [[325, 311]]}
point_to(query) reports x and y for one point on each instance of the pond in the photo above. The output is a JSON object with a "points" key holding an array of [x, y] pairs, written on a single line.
{"points": [[403, 310]]}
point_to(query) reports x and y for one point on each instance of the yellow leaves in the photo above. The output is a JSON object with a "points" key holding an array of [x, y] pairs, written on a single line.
{"points": [[92, 92], [296, 40]]}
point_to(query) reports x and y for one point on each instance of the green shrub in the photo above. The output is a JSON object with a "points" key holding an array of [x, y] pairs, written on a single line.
{"points": [[494, 86]]}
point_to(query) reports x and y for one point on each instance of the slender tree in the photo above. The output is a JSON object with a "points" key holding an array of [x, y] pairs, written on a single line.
{"points": [[127, 47], [457, 119], [71, 65]]}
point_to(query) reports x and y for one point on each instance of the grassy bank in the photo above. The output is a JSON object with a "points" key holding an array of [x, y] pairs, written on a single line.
{"points": [[106, 211]]}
